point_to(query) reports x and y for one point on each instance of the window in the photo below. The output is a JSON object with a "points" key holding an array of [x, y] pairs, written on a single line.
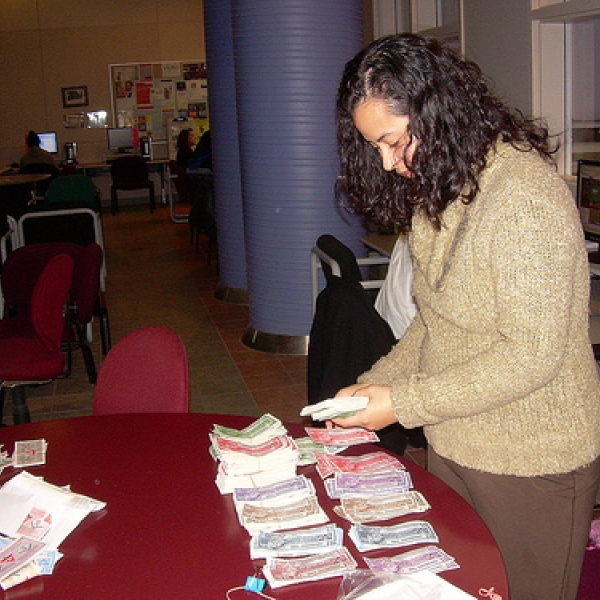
{"points": [[566, 75]]}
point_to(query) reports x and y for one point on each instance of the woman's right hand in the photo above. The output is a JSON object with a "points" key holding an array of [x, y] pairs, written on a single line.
{"points": [[378, 413]]}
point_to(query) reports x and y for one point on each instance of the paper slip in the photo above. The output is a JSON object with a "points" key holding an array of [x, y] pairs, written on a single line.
{"points": [[375, 537], [286, 571], [343, 406], [261, 430], [385, 483], [358, 509], [28, 453], [296, 542], [299, 513], [375, 462], [429, 558], [341, 437], [16, 555]]}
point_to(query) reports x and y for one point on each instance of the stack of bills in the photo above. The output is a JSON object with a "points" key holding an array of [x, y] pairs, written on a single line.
{"points": [[332, 408], [258, 455], [282, 505], [374, 462], [286, 571]]}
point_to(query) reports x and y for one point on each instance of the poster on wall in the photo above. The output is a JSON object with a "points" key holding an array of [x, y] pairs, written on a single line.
{"points": [[150, 95]]}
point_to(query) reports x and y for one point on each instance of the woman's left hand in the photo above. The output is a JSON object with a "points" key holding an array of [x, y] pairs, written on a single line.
{"points": [[378, 413]]}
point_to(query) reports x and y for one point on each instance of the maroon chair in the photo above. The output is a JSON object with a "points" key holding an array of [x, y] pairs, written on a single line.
{"points": [[146, 371], [30, 340], [130, 173], [85, 300]]}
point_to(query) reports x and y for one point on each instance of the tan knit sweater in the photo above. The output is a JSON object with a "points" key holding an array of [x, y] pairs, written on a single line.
{"points": [[497, 365]]}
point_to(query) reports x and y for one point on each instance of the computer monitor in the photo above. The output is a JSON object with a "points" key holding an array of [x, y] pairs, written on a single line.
{"points": [[120, 139], [49, 141]]}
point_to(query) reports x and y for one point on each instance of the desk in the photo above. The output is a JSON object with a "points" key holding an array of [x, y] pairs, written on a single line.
{"points": [[167, 532], [23, 178], [382, 243], [102, 168]]}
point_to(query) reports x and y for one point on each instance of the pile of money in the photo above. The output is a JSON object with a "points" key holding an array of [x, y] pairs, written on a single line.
{"points": [[260, 454], [283, 505]]}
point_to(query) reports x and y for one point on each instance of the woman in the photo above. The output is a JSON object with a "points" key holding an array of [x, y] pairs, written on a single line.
{"points": [[497, 365], [192, 155]]}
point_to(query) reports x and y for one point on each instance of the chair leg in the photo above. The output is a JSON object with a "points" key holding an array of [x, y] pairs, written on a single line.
{"points": [[86, 351], [105, 332], [152, 197], [20, 409], [1, 406], [114, 204]]}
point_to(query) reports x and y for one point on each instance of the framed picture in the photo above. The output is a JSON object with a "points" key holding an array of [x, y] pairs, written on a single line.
{"points": [[75, 96], [588, 194]]}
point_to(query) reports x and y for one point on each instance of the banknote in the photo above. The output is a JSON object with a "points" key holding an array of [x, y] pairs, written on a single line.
{"points": [[299, 513], [296, 542], [359, 509], [374, 537], [385, 483], [286, 571], [373, 462], [342, 437], [430, 558]]}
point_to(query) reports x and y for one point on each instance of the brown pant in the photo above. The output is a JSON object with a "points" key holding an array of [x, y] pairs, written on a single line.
{"points": [[541, 524]]}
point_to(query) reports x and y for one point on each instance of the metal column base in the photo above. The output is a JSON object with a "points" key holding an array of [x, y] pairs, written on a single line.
{"points": [[231, 295], [275, 343]]}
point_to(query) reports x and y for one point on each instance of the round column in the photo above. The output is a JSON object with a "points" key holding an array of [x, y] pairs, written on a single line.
{"points": [[289, 56], [225, 150]]}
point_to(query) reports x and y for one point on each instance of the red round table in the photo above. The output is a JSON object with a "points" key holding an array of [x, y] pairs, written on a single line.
{"points": [[167, 532]]}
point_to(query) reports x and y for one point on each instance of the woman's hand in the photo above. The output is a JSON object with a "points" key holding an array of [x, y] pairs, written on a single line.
{"points": [[378, 413]]}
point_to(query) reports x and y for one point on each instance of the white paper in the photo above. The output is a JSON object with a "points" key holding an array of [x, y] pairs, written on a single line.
{"points": [[24, 492]]}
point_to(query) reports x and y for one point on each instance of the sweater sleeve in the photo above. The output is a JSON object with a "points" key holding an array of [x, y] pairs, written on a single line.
{"points": [[535, 251]]}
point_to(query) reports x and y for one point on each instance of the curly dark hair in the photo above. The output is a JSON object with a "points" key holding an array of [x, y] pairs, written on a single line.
{"points": [[182, 139], [452, 113]]}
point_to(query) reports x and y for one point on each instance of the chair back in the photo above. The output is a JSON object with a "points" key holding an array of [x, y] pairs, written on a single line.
{"points": [[49, 298], [146, 371], [340, 254], [129, 172], [70, 189]]}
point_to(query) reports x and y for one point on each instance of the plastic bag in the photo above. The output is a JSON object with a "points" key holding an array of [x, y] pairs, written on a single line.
{"points": [[364, 584], [394, 301]]}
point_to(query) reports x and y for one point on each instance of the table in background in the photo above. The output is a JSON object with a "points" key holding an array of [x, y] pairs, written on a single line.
{"points": [[382, 243], [159, 166], [167, 532]]}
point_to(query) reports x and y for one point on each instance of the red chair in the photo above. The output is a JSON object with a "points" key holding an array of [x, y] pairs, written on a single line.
{"points": [[130, 173], [85, 301], [146, 371], [30, 340]]}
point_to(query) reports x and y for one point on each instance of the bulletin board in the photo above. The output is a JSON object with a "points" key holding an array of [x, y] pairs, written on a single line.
{"points": [[149, 96]]}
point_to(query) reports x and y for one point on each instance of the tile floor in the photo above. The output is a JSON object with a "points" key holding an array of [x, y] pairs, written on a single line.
{"points": [[154, 277]]}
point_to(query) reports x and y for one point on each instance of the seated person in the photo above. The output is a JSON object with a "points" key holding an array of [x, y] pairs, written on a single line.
{"points": [[36, 155], [191, 155]]}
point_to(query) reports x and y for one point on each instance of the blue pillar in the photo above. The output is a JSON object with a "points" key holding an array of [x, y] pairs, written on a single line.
{"points": [[289, 56], [225, 149]]}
